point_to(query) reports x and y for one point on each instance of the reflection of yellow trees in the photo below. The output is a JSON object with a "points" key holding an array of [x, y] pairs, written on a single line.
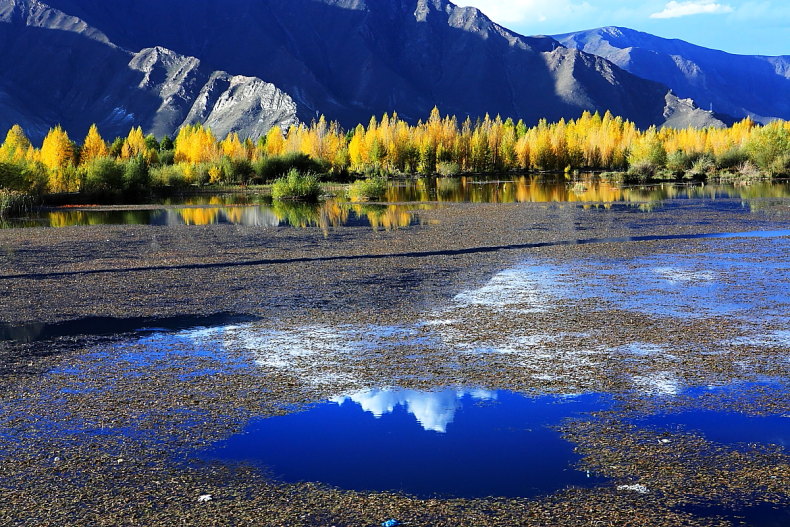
{"points": [[234, 215], [199, 216], [539, 190], [71, 218], [67, 219], [335, 213], [388, 218]]}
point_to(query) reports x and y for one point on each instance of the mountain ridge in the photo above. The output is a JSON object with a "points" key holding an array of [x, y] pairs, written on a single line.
{"points": [[756, 86]]}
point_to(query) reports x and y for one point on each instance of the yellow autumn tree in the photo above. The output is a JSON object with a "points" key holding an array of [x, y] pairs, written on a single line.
{"points": [[196, 144], [57, 154], [275, 142], [16, 145], [93, 147], [232, 147], [134, 145]]}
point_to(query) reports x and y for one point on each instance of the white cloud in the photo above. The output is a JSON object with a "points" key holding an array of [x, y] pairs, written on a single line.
{"points": [[528, 11], [679, 9]]}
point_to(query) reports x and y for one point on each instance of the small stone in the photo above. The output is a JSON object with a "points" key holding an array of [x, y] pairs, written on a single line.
{"points": [[641, 489]]}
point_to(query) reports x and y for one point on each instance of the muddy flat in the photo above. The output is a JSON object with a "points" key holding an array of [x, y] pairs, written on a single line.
{"points": [[600, 362]]}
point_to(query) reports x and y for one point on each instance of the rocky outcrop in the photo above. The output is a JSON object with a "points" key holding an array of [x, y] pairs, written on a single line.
{"points": [[56, 68], [191, 94]]}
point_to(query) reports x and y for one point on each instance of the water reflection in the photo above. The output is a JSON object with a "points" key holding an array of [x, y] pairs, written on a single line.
{"points": [[524, 189], [328, 215], [260, 211], [433, 410], [508, 447]]}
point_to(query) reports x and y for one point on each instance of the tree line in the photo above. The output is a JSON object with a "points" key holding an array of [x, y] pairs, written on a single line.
{"points": [[439, 145]]}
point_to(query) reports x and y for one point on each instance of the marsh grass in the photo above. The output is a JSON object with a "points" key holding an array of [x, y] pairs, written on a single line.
{"points": [[14, 202]]}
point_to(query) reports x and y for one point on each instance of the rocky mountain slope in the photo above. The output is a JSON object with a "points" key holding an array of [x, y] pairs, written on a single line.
{"points": [[737, 85], [56, 68], [347, 59]]}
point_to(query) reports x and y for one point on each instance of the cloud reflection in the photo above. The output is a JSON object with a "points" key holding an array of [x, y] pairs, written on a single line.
{"points": [[433, 410]]}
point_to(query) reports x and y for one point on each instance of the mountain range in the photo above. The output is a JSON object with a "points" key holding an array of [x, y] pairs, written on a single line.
{"points": [[738, 85], [245, 65]]}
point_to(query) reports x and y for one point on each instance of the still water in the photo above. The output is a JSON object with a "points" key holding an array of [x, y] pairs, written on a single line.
{"points": [[259, 211], [460, 443]]}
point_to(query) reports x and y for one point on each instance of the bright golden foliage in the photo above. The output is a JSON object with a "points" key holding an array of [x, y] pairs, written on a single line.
{"points": [[57, 152], [196, 144], [134, 145], [16, 145], [93, 147], [232, 147], [437, 145]]}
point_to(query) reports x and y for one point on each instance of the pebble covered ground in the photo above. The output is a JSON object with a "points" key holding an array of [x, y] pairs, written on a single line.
{"points": [[102, 429]]}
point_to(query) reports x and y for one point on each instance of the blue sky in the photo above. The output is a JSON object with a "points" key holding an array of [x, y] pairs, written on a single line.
{"points": [[738, 26]]}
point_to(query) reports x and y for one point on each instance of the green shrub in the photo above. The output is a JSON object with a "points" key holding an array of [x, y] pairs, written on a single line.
{"points": [[643, 170], [167, 157], [169, 176], [731, 159], [702, 167], [136, 177], [296, 186], [36, 178], [237, 171], [102, 176], [371, 189], [768, 148], [679, 162], [271, 168], [11, 177]]}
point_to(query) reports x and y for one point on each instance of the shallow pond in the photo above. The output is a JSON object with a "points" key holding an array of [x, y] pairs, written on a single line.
{"points": [[259, 211]]}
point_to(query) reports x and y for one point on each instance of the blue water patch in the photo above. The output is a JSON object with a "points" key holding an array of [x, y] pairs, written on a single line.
{"points": [[449, 443], [729, 427], [726, 427], [761, 515]]}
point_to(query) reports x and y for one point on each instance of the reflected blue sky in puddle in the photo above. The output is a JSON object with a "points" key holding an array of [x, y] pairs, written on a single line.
{"points": [[463, 443], [730, 427], [761, 515], [726, 427]]}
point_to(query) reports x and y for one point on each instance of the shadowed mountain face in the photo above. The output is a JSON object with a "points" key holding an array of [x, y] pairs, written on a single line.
{"points": [[67, 61], [55, 68], [349, 59], [737, 85]]}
